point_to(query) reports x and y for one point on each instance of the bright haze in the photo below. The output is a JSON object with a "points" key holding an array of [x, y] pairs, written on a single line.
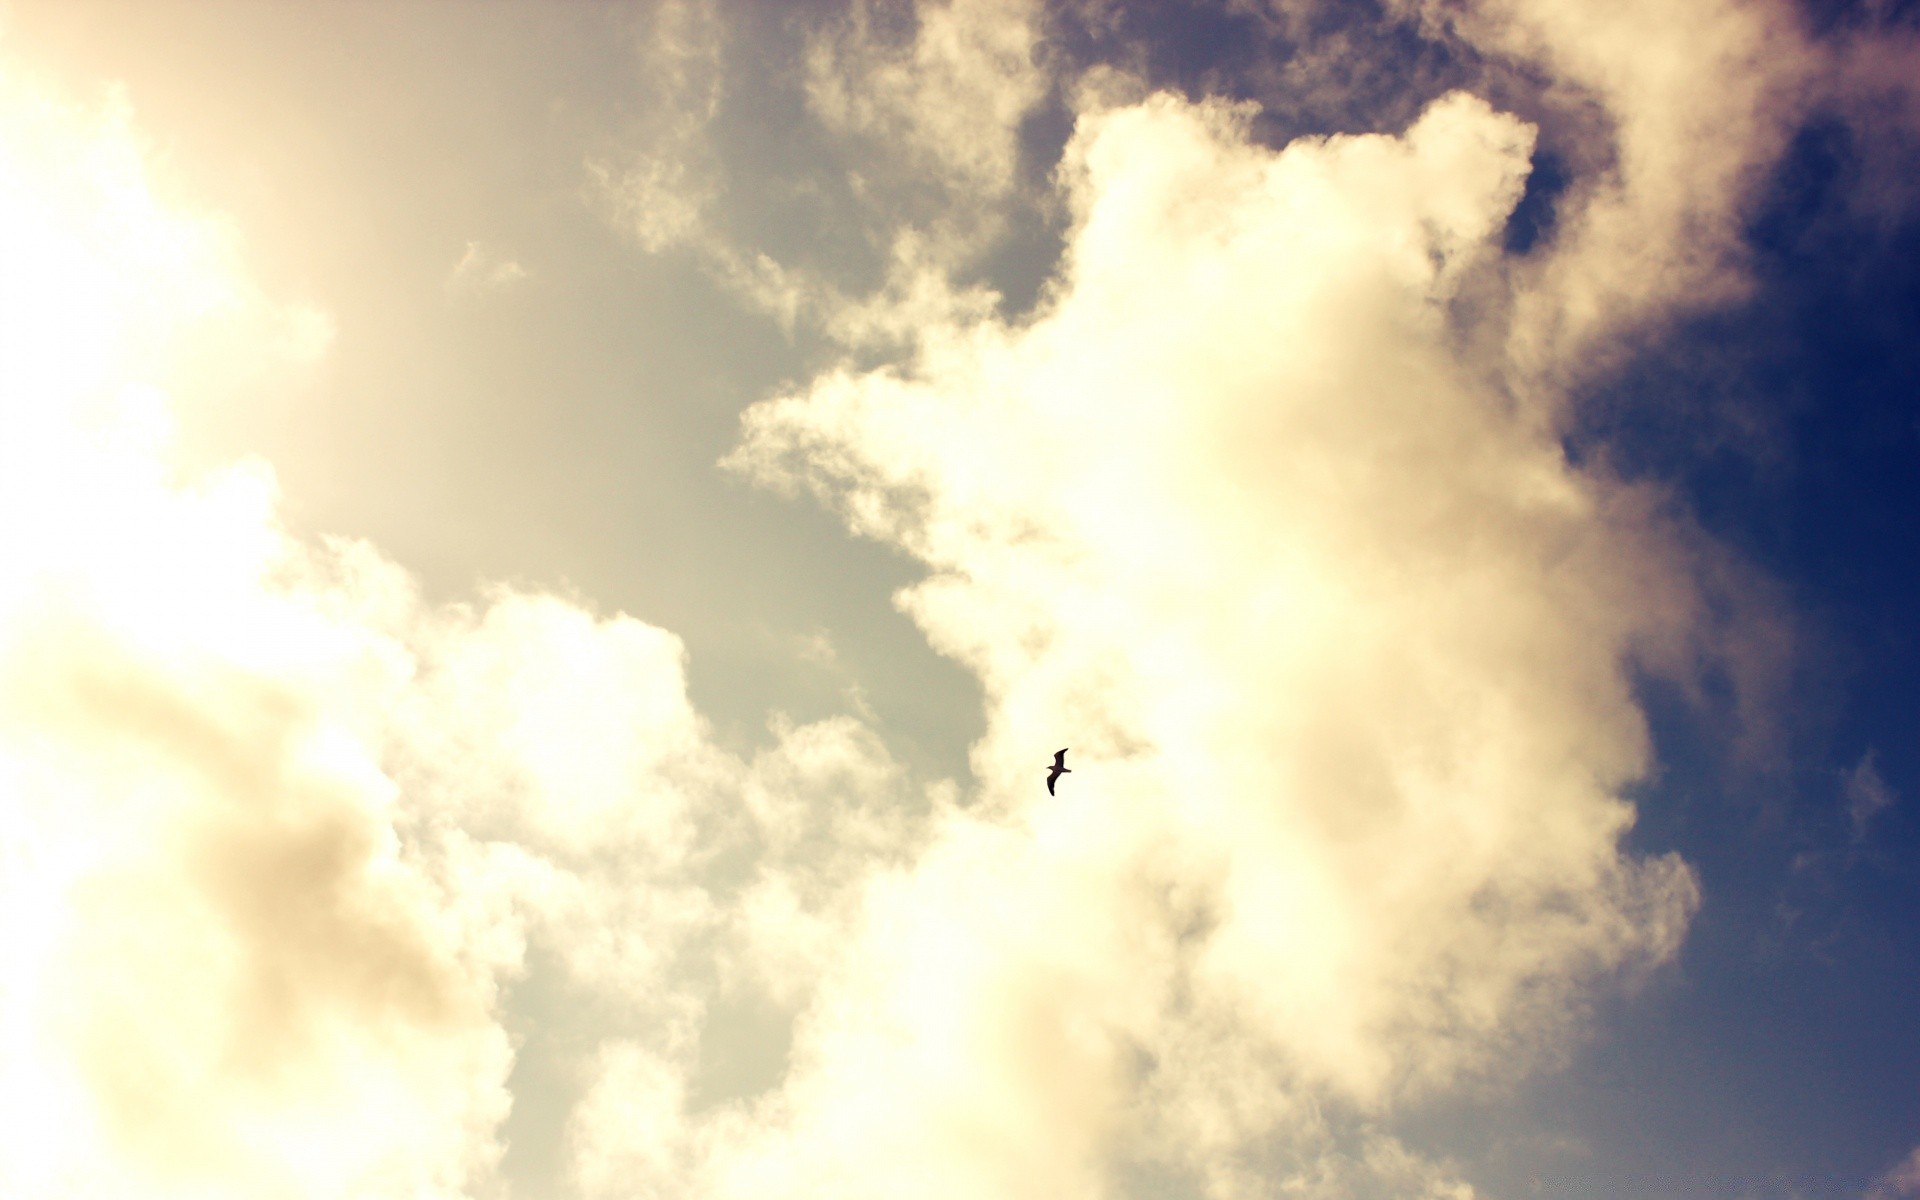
{"points": [[546, 550]]}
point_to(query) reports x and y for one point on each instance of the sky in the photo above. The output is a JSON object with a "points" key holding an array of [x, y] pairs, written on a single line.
{"points": [[550, 546]]}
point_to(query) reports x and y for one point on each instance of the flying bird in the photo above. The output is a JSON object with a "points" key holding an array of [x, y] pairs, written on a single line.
{"points": [[1059, 769]]}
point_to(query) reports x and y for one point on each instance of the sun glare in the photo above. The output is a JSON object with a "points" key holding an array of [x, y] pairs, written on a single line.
{"points": [[102, 282]]}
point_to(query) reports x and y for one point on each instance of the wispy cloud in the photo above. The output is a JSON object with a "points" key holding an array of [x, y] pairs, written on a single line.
{"points": [[1867, 794], [951, 97], [928, 121], [483, 269], [1702, 99], [1903, 1179], [662, 193]]}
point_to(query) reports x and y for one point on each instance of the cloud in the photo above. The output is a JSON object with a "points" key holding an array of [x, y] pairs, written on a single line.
{"points": [[1903, 1179], [952, 96], [1263, 512], [663, 194], [1673, 116], [283, 843], [175, 809], [927, 123], [1869, 81], [1868, 795], [1343, 646], [1699, 100], [932, 124], [483, 269], [225, 975]]}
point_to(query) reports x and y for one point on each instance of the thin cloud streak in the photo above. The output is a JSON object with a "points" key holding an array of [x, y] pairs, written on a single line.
{"points": [[483, 269]]}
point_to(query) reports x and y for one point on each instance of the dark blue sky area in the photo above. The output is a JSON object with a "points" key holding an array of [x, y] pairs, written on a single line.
{"points": [[1781, 1057]]}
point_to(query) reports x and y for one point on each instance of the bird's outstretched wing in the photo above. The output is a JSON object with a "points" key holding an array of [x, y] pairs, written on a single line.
{"points": [[1059, 768]]}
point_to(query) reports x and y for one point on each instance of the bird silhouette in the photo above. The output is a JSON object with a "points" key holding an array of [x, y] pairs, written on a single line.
{"points": [[1059, 769]]}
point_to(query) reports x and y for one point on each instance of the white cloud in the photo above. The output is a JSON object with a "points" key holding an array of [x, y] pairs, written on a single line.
{"points": [[939, 112], [1699, 100], [1342, 645], [280, 840], [929, 122], [484, 269], [225, 976], [1246, 515], [952, 96], [627, 1131], [663, 193]]}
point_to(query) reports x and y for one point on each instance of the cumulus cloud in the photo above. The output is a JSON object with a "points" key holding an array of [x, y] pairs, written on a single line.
{"points": [[280, 839], [223, 975], [1674, 114], [1265, 512], [1254, 513], [1343, 646], [1698, 101]]}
